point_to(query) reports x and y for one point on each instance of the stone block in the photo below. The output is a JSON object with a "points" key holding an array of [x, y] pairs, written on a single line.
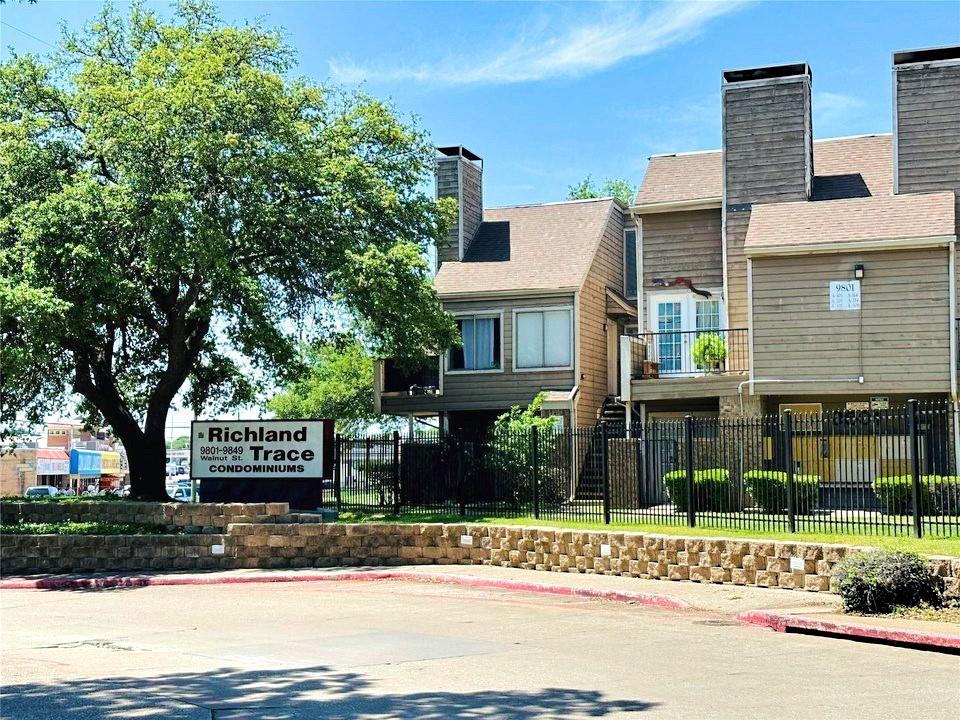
{"points": [[778, 564], [785, 550], [834, 553], [700, 574], [740, 576], [657, 569], [730, 559], [766, 578], [678, 572], [720, 575], [791, 580], [816, 583]]}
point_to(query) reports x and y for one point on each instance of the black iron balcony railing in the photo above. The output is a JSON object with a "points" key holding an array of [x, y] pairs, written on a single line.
{"points": [[420, 380], [689, 353]]}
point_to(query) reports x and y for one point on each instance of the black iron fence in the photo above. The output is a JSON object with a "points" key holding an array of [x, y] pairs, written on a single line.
{"points": [[689, 353], [870, 472]]}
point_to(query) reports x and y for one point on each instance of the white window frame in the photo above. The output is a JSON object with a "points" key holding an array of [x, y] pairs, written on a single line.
{"points": [[636, 248], [492, 313], [573, 339], [689, 298]]}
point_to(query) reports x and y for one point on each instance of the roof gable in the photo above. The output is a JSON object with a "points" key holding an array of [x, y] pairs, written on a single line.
{"points": [[551, 247]]}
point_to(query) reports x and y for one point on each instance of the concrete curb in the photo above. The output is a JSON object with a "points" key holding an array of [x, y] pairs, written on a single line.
{"points": [[665, 602], [785, 622]]}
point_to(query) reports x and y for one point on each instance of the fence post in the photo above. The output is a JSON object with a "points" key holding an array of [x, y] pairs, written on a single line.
{"points": [[396, 472], [605, 464], [535, 461], [337, 472], [788, 458], [688, 464], [915, 466], [461, 499]]}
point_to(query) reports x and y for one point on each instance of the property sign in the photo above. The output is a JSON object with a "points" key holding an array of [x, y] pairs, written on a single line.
{"points": [[261, 449], [844, 294], [878, 402], [858, 405]]}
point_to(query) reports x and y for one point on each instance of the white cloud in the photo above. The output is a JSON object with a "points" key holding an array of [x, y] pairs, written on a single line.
{"points": [[832, 111], [540, 53]]}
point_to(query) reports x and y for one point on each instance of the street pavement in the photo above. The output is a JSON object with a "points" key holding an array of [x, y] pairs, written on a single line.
{"points": [[404, 650]]}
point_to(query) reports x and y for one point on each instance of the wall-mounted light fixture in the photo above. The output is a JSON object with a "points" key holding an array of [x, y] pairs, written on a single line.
{"points": [[858, 271]]}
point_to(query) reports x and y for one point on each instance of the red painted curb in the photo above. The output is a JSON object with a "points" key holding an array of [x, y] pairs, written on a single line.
{"points": [[783, 622], [665, 602]]}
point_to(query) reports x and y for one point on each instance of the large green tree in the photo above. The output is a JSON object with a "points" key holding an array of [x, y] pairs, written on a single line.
{"points": [[177, 214], [337, 383]]}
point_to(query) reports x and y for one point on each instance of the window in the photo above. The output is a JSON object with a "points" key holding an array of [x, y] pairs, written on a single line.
{"points": [[708, 314], [544, 338], [481, 344], [630, 262]]}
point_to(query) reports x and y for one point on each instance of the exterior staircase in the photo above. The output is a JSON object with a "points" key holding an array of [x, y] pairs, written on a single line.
{"points": [[611, 415]]}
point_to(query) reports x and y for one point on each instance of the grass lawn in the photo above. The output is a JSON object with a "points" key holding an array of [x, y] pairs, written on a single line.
{"points": [[925, 545]]}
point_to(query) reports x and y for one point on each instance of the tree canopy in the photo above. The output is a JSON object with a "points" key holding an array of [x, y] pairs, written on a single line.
{"points": [[178, 212], [587, 189], [337, 383]]}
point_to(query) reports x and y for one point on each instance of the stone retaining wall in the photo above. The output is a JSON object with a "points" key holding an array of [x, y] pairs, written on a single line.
{"points": [[188, 517], [278, 544], [33, 554], [803, 566]]}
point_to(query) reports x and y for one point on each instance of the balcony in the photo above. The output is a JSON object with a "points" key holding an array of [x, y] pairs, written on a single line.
{"points": [[418, 380], [657, 364]]}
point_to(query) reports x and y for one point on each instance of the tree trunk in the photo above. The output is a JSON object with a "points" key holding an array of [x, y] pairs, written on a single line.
{"points": [[147, 455]]}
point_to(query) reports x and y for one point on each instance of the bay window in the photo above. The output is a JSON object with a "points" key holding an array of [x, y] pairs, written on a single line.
{"points": [[544, 338]]}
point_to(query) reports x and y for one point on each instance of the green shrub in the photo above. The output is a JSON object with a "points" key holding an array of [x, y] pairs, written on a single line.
{"points": [[946, 493], [711, 490], [769, 489], [378, 475], [709, 350], [511, 454], [68, 499], [86, 528], [876, 582], [896, 494]]}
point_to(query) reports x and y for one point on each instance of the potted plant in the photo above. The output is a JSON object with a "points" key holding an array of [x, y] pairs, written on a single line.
{"points": [[709, 351]]}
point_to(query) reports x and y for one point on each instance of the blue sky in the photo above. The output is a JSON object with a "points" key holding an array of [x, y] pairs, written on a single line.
{"points": [[547, 93]]}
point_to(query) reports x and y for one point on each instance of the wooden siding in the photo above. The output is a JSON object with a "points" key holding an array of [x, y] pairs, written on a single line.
{"points": [[736, 290], [450, 173], [905, 323], [606, 270], [471, 200], [928, 130], [768, 157], [767, 146], [683, 244], [448, 185], [490, 391]]}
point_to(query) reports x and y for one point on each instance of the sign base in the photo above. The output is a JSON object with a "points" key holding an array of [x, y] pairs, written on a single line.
{"points": [[300, 494]]}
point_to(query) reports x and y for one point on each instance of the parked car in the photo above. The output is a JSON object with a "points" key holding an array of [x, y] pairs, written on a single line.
{"points": [[182, 470], [181, 493], [172, 469], [69, 491], [39, 491]]}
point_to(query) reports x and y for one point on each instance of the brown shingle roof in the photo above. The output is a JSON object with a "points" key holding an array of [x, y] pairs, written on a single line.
{"points": [[836, 162], [806, 225], [551, 247], [688, 176]]}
